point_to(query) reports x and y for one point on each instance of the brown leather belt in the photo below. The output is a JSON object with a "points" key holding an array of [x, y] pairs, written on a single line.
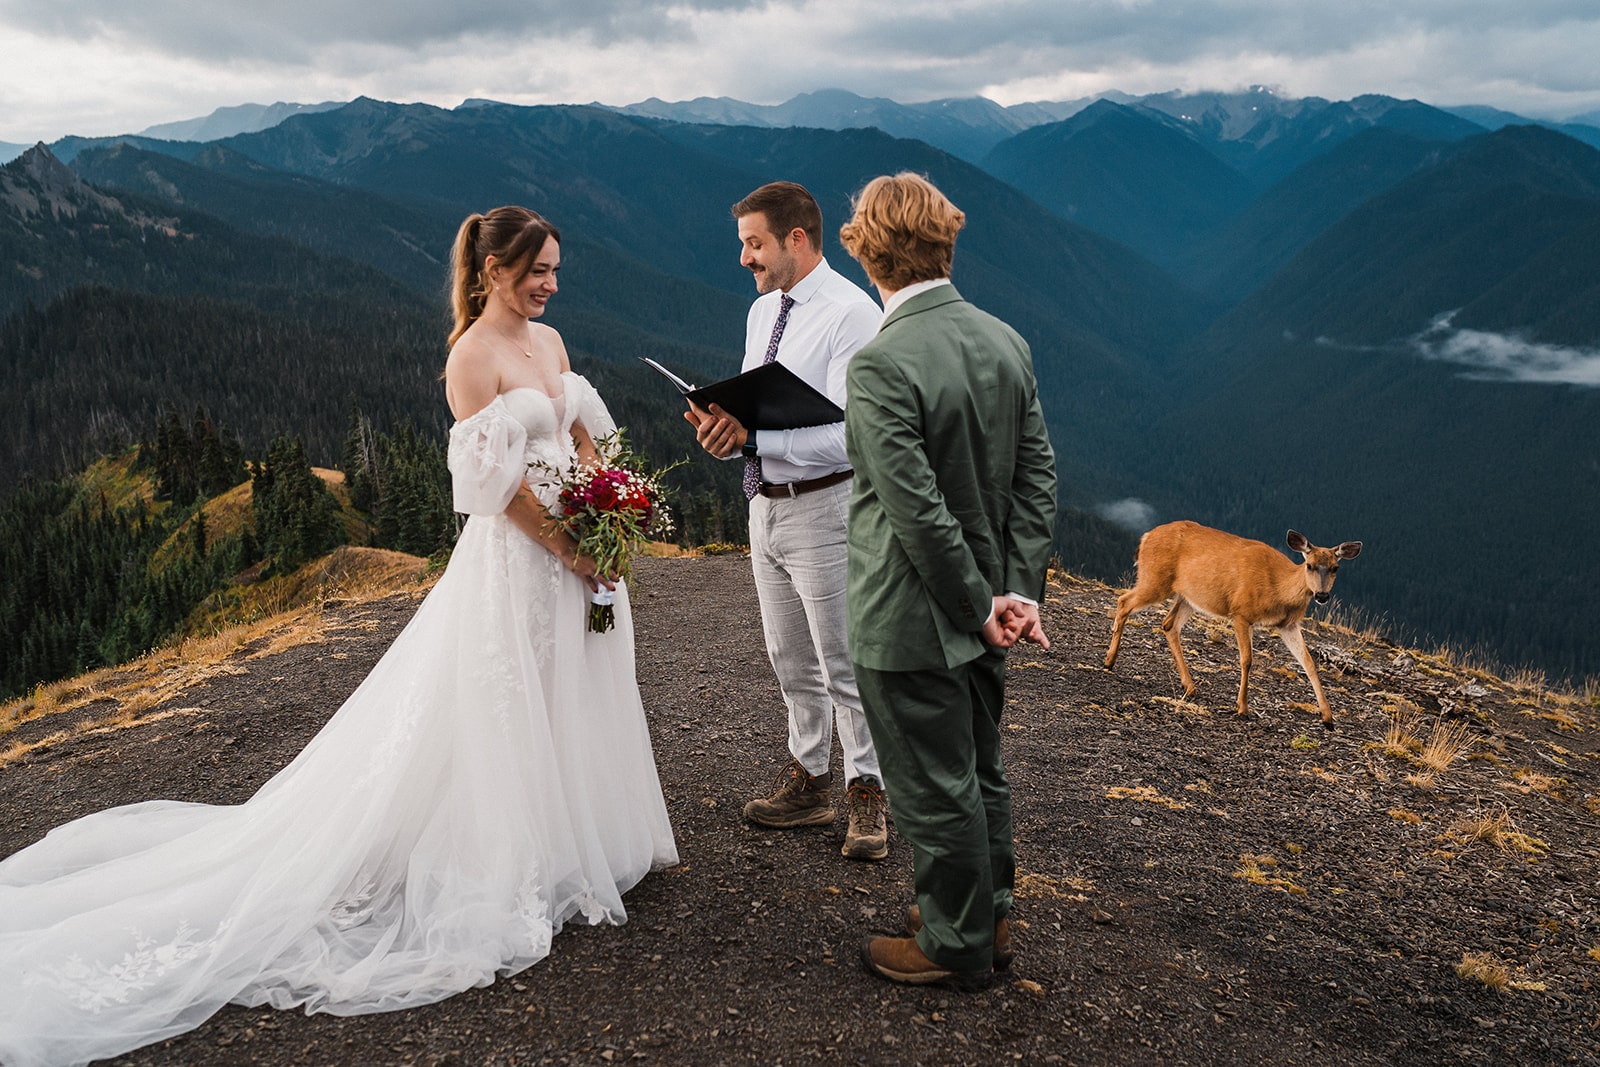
{"points": [[806, 485]]}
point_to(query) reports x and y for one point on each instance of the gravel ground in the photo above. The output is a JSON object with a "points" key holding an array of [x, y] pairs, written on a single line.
{"points": [[1195, 887]]}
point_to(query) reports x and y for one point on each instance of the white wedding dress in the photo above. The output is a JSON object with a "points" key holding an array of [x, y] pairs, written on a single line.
{"points": [[489, 780]]}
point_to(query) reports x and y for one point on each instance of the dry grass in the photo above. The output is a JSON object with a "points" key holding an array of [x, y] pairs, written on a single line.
{"points": [[1537, 782], [1493, 827], [135, 690], [1032, 886], [1145, 794], [1529, 683], [1561, 717], [345, 574], [1486, 969], [1366, 627], [1400, 740], [1184, 706], [1447, 742], [1255, 870]]}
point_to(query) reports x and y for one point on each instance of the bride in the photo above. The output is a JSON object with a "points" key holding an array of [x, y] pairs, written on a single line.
{"points": [[489, 780]]}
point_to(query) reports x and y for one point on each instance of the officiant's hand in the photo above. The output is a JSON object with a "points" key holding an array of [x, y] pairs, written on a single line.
{"points": [[719, 433]]}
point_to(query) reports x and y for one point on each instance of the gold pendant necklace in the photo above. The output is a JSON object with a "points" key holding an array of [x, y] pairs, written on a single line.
{"points": [[507, 338]]}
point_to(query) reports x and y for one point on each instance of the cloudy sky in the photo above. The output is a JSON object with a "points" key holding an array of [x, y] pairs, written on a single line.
{"points": [[96, 67]]}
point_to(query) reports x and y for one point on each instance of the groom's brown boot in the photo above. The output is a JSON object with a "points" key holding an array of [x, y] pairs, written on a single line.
{"points": [[1003, 953], [801, 799], [901, 959]]}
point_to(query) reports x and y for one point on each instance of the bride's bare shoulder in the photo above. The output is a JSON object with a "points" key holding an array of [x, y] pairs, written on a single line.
{"points": [[547, 338], [471, 376]]}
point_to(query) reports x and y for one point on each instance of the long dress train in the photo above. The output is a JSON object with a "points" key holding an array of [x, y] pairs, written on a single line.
{"points": [[490, 779]]}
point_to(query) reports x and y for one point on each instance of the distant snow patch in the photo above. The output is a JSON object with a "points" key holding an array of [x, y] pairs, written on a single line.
{"points": [[1507, 357], [1130, 513]]}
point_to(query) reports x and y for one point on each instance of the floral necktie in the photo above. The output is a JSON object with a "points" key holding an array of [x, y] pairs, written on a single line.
{"points": [[752, 464]]}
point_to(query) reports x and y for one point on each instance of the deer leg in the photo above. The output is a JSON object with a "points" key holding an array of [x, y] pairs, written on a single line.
{"points": [[1241, 632], [1296, 642], [1127, 604], [1177, 615]]}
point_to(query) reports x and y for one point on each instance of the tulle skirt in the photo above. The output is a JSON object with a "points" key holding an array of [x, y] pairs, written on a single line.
{"points": [[489, 780]]}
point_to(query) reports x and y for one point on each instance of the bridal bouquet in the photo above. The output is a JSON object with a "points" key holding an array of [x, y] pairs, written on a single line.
{"points": [[611, 509]]}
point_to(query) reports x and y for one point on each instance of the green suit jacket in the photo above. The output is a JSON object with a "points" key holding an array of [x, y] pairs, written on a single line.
{"points": [[955, 488]]}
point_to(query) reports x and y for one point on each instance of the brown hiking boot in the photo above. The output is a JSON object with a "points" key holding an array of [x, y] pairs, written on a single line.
{"points": [[1003, 952], [801, 799], [900, 959], [868, 836]]}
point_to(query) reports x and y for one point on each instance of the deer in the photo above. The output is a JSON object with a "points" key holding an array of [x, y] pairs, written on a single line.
{"points": [[1228, 576]]}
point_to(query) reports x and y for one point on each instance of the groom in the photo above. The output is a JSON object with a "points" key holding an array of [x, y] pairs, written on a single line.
{"points": [[949, 536]]}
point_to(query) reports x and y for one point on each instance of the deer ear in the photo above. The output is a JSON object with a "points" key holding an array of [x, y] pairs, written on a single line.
{"points": [[1349, 550], [1297, 541]]}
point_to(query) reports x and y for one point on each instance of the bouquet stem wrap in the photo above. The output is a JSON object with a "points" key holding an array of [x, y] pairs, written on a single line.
{"points": [[601, 614]]}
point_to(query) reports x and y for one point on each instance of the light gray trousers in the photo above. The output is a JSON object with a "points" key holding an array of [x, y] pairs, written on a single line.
{"points": [[797, 552]]}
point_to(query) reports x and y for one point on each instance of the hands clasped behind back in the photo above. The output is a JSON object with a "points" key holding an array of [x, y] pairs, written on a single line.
{"points": [[1012, 621]]}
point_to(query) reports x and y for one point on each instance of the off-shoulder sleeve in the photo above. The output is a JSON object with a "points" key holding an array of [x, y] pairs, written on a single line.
{"points": [[590, 409], [486, 460]]}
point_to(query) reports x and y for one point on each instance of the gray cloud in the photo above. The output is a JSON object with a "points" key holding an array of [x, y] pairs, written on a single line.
{"points": [[293, 30], [114, 65], [1507, 357]]}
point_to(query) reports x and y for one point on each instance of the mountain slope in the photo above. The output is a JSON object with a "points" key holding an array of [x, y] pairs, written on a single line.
{"points": [[1133, 175], [1253, 245], [58, 232], [1287, 134], [1437, 242], [412, 242], [965, 127], [227, 121]]}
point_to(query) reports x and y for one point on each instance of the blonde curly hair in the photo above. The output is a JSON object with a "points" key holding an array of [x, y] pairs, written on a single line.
{"points": [[903, 231]]}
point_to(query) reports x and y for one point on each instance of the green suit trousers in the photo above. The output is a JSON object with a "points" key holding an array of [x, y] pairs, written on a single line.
{"points": [[938, 739]]}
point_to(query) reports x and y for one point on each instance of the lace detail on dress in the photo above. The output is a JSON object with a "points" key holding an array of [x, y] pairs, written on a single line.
{"points": [[356, 906], [96, 985], [533, 913], [394, 741], [592, 909]]}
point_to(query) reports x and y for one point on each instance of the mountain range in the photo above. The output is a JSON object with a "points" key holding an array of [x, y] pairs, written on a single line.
{"points": [[1368, 319]]}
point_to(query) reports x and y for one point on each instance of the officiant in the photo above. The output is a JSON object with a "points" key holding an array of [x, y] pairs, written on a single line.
{"points": [[812, 320]]}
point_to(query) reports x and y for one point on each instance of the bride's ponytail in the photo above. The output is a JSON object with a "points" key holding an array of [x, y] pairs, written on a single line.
{"points": [[513, 235]]}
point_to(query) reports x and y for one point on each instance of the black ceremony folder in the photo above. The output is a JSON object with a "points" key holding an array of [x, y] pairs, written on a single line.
{"points": [[770, 397]]}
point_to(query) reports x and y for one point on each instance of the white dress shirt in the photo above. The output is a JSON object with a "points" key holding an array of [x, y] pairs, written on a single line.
{"points": [[900, 296], [832, 317]]}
